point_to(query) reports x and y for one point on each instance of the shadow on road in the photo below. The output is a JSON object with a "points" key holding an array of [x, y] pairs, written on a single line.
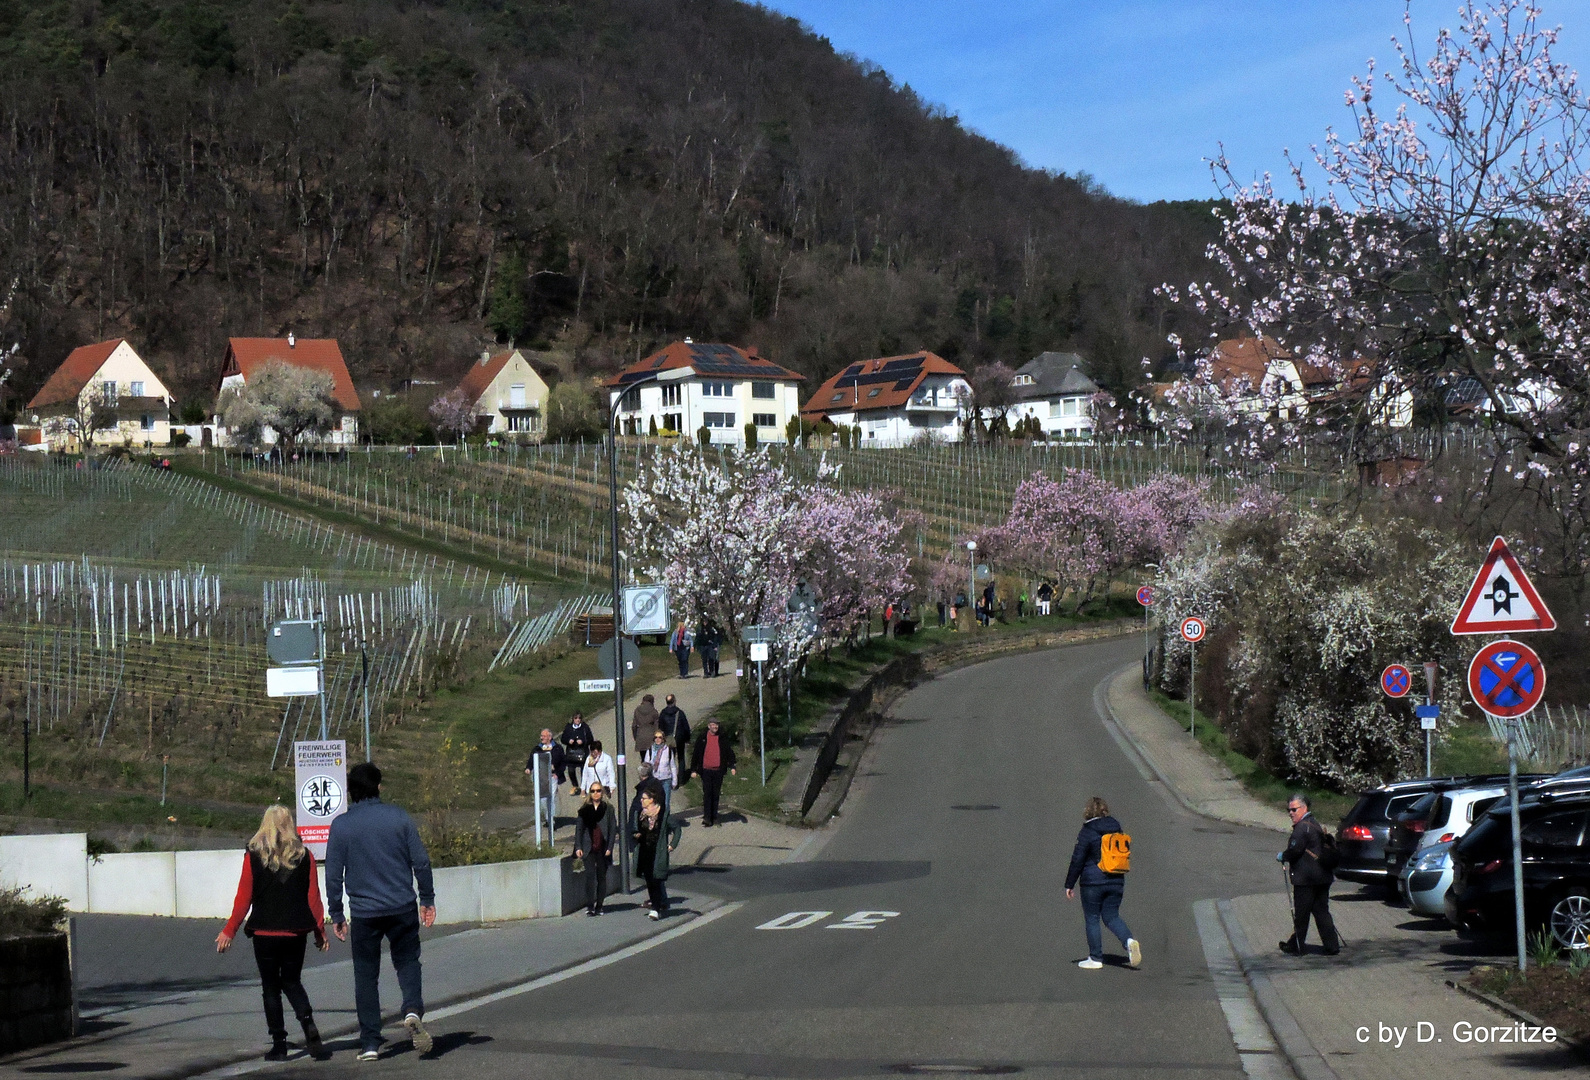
{"points": [[747, 882]]}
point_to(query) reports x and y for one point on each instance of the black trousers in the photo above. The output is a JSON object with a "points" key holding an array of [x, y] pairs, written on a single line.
{"points": [[657, 891], [1313, 900], [711, 789], [595, 882], [281, 966]]}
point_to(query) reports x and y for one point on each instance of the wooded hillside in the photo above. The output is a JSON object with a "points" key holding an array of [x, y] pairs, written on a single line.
{"points": [[596, 177]]}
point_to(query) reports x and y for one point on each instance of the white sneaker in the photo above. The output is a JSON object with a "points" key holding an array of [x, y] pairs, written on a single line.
{"points": [[653, 916], [1134, 953], [1089, 964], [369, 1055], [417, 1032]]}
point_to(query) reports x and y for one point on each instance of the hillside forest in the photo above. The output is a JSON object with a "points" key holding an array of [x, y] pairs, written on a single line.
{"points": [[592, 179]]}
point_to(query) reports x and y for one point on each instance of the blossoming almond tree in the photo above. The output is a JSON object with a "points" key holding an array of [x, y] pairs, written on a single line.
{"points": [[1449, 252]]}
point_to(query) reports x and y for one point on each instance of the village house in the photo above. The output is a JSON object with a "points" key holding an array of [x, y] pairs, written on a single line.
{"points": [[508, 396], [727, 387], [1053, 388], [245, 357], [894, 400], [108, 389]]}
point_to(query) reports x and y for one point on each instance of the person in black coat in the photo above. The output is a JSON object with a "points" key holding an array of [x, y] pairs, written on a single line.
{"points": [[1101, 891], [576, 739], [1311, 881], [710, 758], [595, 830], [552, 770], [673, 723]]}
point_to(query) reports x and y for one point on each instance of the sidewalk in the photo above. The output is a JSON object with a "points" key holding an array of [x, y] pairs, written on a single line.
{"points": [[1326, 1013]]}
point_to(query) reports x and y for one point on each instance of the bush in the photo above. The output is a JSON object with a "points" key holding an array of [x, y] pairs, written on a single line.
{"points": [[704, 435], [179, 439], [21, 915], [750, 435], [450, 846]]}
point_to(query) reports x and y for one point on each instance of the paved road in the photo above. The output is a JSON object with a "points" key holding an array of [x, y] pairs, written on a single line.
{"points": [[962, 823]]}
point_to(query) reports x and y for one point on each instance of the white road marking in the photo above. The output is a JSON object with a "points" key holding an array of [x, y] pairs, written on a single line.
{"points": [[1256, 1049], [795, 920], [863, 920]]}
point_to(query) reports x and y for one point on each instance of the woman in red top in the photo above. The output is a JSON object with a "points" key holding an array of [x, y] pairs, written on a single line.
{"points": [[281, 898]]}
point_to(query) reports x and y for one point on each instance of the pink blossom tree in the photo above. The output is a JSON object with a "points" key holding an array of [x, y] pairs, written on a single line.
{"points": [[454, 413]]}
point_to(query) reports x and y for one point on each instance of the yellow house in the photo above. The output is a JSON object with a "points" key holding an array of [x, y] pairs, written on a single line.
{"points": [[508, 396], [108, 390]]}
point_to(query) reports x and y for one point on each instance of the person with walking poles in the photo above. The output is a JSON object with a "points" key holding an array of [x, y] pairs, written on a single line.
{"points": [[664, 762], [680, 643], [595, 829], [655, 834], [712, 756], [599, 770], [279, 894], [551, 771], [375, 852], [577, 738], [1099, 863], [1311, 856]]}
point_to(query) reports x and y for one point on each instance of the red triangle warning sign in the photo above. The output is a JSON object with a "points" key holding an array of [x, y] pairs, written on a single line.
{"points": [[1502, 600]]}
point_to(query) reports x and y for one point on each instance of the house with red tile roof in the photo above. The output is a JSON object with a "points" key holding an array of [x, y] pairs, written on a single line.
{"points": [[246, 357], [724, 388], [508, 394], [109, 387], [895, 400]]}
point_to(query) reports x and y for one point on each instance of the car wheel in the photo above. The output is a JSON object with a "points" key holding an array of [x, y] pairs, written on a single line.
{"points": [[1569, 920]]}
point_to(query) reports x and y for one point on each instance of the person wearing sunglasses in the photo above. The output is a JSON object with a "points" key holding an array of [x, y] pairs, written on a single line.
{"points": [[1310, 878], [595, 830]]}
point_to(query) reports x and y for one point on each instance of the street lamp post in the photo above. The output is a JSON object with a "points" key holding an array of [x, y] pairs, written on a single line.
{"points": [[971, 578], [670, 375]]}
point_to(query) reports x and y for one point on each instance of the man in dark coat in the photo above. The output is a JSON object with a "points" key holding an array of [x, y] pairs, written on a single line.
{"points": [[551, 773], [1311, 881], [673, 723], [712, 756], [576, 739], [708, 642]]}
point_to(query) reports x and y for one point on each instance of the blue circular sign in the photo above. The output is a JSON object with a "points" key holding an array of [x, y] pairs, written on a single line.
{"points": [[1507, 679], [1396, 681]]}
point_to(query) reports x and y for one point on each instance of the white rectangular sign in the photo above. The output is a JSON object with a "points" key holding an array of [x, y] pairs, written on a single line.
{"points": [[646, 609], [596, 686], [759, 651], [321, 770], [292, 681]]}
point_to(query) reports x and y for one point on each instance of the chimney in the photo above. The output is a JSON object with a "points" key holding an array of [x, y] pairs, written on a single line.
{"points": [[750, 350], [292, 342], [485, 357]]}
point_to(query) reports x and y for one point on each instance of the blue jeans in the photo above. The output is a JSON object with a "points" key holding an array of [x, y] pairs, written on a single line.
{"points": [[365, 934], [1103, 902]]}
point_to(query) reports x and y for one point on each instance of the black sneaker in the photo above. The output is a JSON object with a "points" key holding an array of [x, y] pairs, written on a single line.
{"points": [[1289, 946], [277, 1052], [312, 1043]]}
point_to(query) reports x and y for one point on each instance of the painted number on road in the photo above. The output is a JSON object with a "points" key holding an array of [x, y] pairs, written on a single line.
{"points": [[800, 920]]}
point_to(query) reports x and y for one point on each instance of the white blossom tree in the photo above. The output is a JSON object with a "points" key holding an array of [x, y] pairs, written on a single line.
{"points": [[292, 401]]}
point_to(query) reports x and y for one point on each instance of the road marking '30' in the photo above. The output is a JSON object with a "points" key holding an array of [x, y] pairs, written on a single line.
{"points": [[800, 920]]}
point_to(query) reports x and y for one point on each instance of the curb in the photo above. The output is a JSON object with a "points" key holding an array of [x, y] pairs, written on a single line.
{"points": [[1578, 1046], [1306, 1061]]}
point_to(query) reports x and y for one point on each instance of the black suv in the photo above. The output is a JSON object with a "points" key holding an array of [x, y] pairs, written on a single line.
{"points": [[1361, 838], [1556, 850], [1429, 813]]}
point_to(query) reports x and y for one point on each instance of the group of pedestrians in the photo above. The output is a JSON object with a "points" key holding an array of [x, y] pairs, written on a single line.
{"points": [[375, 855], [708, 641]]}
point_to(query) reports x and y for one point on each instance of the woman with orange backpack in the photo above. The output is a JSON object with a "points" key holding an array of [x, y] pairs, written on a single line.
{"points": [[1100, 862]]}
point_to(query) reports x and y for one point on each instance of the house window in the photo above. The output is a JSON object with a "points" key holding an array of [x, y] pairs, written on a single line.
{"points": [[1022, 380], [673, 395], [765, 419], [874, 392], [631, 401], [136, 389], [516, 396], [1070, 407], [146, 421], [718, 419], [717, 389], [673, 421], [107, 392], [837, 397], [765, 390], [923, 397]]}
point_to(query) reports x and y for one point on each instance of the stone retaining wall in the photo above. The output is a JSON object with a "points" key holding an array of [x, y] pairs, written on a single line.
{"points": [[35, 991]]}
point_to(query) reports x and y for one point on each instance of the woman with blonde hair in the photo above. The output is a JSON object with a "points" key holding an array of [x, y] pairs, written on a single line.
{"points": [[281, 898]]}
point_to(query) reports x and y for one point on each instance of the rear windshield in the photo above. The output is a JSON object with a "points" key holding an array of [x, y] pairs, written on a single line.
{"points": [[1479, 806], [1401, 804], [1371, 807], [1420, 809], [1491, 838]]}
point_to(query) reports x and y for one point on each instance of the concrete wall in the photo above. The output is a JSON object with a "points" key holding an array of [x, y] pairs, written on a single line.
{"points": [[49, 864], [35, 991], [137, 883]]}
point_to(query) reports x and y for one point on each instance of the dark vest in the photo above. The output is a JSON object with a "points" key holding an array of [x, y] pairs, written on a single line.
{"points": [[281, 899]]}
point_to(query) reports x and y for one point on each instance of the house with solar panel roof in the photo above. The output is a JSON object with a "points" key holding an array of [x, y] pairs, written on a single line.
{"points": [[1053, 387], [894, 400], [726, 388]]}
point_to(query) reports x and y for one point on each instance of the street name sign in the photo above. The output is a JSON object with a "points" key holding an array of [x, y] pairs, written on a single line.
{"points": [[1506, 679], [1502, 600], [292, 681], [1193, 629], [596, 686], [1396, 681]]}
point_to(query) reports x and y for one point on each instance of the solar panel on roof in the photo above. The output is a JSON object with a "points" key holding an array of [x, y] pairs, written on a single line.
{"points": [[853, 369]]}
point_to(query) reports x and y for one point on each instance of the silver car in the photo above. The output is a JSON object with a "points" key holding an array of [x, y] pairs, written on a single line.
{"points": [[1426, 877]]}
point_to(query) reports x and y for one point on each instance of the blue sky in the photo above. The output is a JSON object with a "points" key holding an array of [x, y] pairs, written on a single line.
{"points": [[1137, 94]]}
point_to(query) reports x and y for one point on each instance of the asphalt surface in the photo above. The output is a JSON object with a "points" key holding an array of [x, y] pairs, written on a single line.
{"points": [[960, 826]]}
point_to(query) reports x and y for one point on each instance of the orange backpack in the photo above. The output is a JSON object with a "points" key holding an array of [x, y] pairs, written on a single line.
{"points": [[1115, 853]]}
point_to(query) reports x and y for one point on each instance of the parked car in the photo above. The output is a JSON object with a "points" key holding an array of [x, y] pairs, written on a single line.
{"points": [[1361, 838], [1442, 816], [1556, 864], [1425, 879]]}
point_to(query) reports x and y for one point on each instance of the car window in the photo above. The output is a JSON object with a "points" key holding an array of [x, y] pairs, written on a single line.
{"points": [[1478, 807], [1401, 804], [1555, 830], [1441, 813], [1420, 809]]}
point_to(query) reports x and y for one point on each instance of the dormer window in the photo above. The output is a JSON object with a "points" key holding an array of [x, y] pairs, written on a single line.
{"points": [[836, 397], [874, 392], [1022, 380]]}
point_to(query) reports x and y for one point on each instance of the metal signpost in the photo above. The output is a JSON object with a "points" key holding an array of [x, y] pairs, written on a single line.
{"points": [[1193, 630], [971, 578], [1145, 596], [321, 773], [298, 646], [759, 638], [1429, 713], [1506, 679]]}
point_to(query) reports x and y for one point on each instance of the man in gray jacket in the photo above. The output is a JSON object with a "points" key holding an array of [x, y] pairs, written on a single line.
{"points": [[377, 851], [1311, 880]]}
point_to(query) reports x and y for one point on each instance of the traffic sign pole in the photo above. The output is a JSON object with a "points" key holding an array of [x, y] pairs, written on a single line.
{"points": [[1518, 846]]}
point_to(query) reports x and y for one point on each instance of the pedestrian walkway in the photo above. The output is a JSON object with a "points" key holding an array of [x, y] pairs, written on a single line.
{"points": [[1327, 1012]]}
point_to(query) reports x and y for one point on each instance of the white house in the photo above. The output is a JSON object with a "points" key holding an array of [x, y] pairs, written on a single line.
{"points": [[727, 387], [108, 387], [246, 356], [1052, 387], [508, 395], [895, 400]]}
